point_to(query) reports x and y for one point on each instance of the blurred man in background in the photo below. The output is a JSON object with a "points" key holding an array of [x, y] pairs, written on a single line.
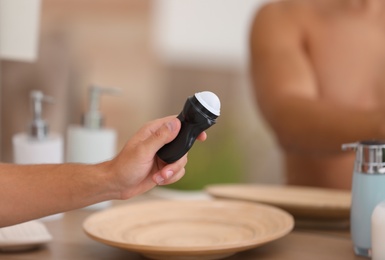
{"points": [[319, 77]]}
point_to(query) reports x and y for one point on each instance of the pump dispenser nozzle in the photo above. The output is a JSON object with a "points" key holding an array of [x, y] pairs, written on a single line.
{"points": [[38, 128], [93, 119]]}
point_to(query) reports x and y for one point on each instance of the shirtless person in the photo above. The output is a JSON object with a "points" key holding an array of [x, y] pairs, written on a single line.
{"points": [[318, 68]]}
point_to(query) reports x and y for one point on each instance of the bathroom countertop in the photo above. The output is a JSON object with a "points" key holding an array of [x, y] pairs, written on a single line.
{"points": [[70, 242]]}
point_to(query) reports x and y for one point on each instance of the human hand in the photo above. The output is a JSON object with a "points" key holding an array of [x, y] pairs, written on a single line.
{"points": [[137, 169]]}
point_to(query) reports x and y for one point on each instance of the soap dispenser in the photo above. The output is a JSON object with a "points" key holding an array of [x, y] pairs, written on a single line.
{"points": [[91, 142], [38, 145], [368, 190]]}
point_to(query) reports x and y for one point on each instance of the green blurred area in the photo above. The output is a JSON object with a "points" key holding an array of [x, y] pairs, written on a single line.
{"points": [[217, 160]]}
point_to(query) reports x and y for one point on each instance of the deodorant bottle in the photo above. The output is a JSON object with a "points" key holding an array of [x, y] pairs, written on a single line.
{"points": [[199, 113], [91, 142]]}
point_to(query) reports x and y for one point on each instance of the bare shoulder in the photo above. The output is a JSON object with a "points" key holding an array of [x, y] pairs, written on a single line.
{"points": [[291, 12], [287, 20], [277, 21], [281, 10]]}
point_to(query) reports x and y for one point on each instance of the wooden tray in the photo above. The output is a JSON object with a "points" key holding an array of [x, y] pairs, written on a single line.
{"points": [[301, 202], [204, 229]]}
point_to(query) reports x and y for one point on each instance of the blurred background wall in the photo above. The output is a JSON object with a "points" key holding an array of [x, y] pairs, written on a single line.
{"points": [[158, 52]]}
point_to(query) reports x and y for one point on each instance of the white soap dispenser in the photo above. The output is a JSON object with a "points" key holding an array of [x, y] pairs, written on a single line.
{"points": [[91, 142], [38, 145]]}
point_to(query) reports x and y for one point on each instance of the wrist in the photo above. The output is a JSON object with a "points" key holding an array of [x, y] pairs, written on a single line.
{"points": [[109, 186]]}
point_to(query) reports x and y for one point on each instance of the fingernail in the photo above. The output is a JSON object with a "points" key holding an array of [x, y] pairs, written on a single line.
{"points": [[169, 174], [171, 125], [159, 179]]}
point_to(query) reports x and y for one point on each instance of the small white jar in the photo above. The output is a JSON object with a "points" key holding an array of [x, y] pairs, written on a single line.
{"points": [[378, 232]]}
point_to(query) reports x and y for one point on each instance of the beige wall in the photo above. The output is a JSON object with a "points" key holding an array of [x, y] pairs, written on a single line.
{"points": [[109, 43], [104, 42]]}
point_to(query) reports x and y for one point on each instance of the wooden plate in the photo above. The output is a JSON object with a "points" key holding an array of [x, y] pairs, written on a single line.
{"points": [[301, 202], [204, 229]]}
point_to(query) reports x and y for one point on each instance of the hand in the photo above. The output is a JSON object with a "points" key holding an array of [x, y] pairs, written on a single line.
{"points": [[137, 169]]}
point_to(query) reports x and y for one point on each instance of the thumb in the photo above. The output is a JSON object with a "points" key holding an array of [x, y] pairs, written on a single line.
{"points": [[164, 134]]}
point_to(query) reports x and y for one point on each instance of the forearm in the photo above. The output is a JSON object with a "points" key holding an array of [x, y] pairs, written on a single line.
{"points": [[313, 126], [32, 191]]}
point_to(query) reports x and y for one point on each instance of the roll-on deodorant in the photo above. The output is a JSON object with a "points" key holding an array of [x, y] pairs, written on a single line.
{"points": [[199, 113]]}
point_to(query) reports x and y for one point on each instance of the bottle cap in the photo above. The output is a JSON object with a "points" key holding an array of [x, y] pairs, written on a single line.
{"points": [[210, 101]]}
